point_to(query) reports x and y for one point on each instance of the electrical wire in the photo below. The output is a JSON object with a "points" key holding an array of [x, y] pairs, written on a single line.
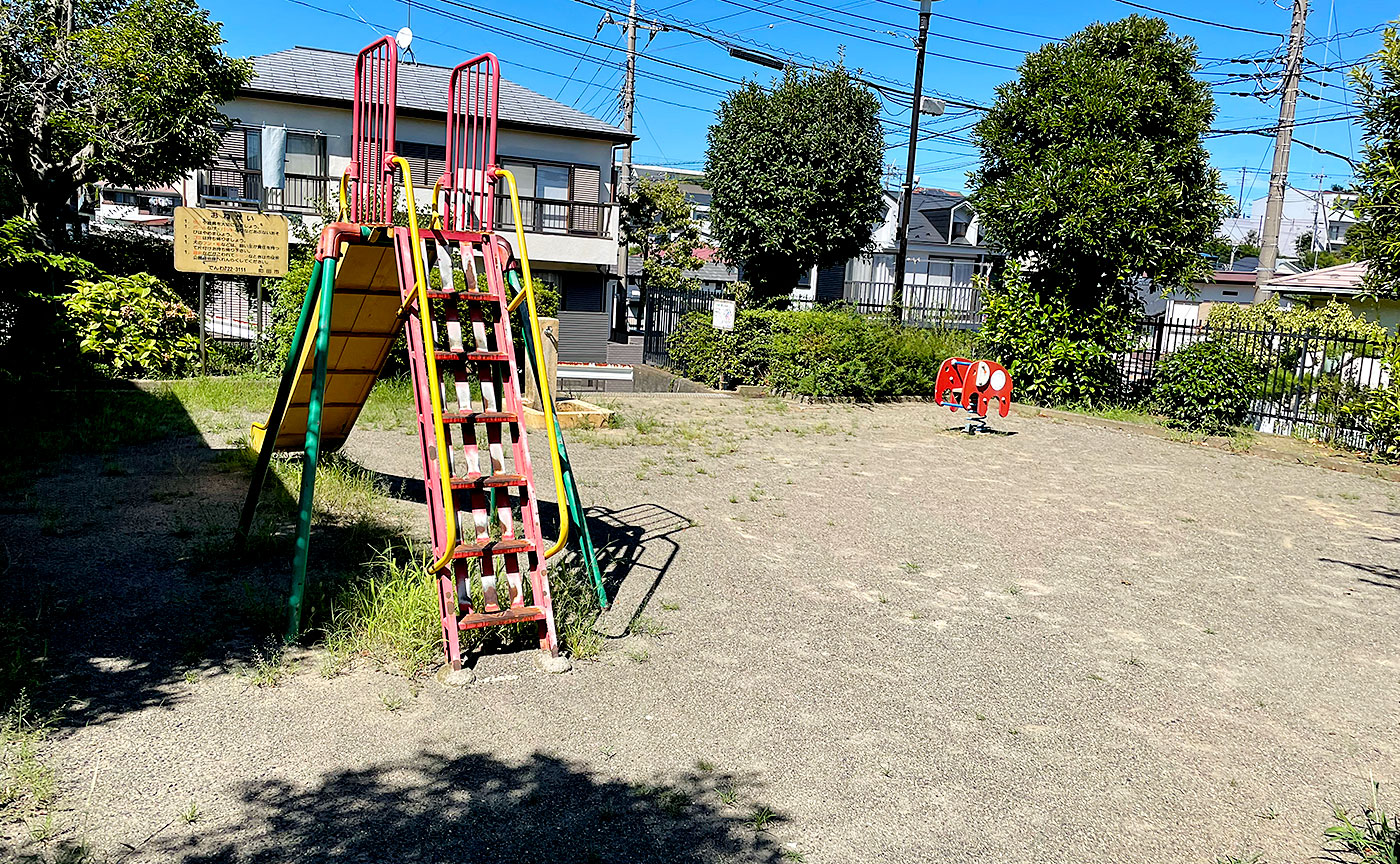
{"points": [[1200, 20]]}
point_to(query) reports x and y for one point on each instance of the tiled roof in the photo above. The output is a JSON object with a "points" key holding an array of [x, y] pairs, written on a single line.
{"points": [[1341, 279], [319, 75]]}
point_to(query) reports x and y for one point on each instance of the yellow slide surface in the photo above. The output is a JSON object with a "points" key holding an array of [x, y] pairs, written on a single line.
{"points": [[364, 324]]}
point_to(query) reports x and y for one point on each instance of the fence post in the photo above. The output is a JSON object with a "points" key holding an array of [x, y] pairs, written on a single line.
{"points": [[258, 334]]}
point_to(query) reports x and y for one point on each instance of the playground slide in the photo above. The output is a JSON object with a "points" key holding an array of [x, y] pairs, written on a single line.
{"points": [[364, 324]]}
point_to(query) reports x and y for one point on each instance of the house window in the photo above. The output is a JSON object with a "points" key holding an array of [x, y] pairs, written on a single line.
{"points": [[556, 197], [235, 177], [427, 162]]}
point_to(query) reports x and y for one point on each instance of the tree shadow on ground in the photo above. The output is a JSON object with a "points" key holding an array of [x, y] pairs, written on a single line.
{"points": [[118, 577], [434, 807], [1390, 575]]}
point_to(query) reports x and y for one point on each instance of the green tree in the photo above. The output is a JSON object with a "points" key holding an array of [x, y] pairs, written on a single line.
{"points": [[122, 91], [1093, 173], [795, 175], [657, 226], [1376, 234]]}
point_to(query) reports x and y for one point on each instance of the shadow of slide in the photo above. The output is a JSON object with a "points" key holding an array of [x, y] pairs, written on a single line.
{"points": [[432, 807]]}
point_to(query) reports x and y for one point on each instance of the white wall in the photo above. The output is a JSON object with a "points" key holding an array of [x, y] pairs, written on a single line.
{"points": [[546, 250]]}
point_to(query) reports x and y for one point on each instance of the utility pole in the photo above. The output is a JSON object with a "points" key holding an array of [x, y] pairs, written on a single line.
{"points": [[907, 192], [1283, 142], [1318, 243], [624, 175]]}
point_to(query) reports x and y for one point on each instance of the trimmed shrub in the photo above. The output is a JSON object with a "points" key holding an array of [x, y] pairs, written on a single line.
{"points": [[822, 353], [1057, 354], [1206, 387], [132, 325]]}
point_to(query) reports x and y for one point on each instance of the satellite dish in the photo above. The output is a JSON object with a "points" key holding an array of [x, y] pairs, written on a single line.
{"points": [[404, 38]]}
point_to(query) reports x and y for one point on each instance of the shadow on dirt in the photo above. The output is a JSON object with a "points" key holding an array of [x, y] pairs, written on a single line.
{"points": [[1390, 575], [436, 807]]}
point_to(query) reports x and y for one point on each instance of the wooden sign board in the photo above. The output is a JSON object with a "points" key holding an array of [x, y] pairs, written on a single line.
{"points": [[230, 242]]}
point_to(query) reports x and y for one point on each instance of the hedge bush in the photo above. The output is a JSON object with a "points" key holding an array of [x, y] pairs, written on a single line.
{"points": [[1206, 387], [132, 325], [830, 352]]}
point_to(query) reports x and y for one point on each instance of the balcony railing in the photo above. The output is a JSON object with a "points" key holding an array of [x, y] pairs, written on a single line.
{"points": [[231, 187], [550, 216]]}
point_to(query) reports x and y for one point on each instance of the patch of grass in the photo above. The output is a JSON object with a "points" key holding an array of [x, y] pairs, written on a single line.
{"points": [[390, 615], [391, 702], [638, 655], [45, 830], [582, 641], [669, 607], [728, 795], [191, 676], [673, 802], [760, 818], [910, 567], [27, 784], [332, 664], [917, 615], [644, 625], [269, 666], [881, 598], [191, 814], [790, 854], [704, 766], [1014, 590], [390, 405], [1093, 676], [1372, 836]]}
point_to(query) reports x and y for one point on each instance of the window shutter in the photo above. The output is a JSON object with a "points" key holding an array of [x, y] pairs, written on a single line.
{"points": [[586, 183]]}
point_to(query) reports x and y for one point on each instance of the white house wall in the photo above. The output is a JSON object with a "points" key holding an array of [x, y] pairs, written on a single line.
{"points": [[545, 249]]}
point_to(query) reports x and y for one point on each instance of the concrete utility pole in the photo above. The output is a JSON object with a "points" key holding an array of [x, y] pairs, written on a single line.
{"points": [[1283, 142], [624, 175], [907, 192], [1318, 242]]}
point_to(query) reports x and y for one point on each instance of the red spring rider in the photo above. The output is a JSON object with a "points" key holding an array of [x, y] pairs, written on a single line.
{"points": [[970, 384]]}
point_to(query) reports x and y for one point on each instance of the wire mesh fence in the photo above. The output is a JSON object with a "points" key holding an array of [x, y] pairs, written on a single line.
{"points": [[1311, 381]]}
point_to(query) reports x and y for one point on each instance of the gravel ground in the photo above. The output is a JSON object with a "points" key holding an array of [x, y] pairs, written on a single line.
{"points": [[1057, 643]]}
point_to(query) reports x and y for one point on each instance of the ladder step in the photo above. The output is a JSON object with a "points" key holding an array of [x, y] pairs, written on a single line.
{"points": [[469, 296], [513, 615], [475, 356], [493, 547], [471, 418], [488, 481]]}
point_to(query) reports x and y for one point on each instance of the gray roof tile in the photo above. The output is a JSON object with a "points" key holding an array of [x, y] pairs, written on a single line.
{"points": [[322, 75]]}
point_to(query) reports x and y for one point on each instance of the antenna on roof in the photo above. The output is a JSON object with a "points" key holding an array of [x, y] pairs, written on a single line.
{"points": [[404, 38]]}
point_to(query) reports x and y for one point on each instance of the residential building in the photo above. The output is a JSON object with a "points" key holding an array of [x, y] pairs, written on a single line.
{"points": [[944, 254], [562, 160], [1341, 283]]}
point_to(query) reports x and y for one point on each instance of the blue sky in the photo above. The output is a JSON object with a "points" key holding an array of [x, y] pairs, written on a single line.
{"points": [[682, 76]]}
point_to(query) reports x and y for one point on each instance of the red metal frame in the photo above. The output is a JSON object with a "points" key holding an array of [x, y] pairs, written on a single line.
{"points": [[371, 170], [470, 177]]}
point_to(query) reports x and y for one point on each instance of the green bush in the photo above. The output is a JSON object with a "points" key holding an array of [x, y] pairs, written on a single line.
{"points": [[35, 340], [1376, 411], [1206, 387], [127, 252], [1056, 353], [132, 325], [828, 352]]}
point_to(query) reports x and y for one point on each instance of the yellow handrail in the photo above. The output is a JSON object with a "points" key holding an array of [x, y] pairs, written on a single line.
{"points": [[344, 205], [430, 359], [546, 397]]}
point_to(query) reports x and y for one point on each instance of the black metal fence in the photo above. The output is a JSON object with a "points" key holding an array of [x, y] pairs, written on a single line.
{"points": [[1309, 378], [663, 313]]}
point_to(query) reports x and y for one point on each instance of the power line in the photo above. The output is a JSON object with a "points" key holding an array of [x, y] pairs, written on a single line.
{"points": [[1200, 20]]}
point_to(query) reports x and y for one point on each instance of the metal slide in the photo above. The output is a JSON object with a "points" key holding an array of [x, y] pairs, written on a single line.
{"points": [[371, 282]]}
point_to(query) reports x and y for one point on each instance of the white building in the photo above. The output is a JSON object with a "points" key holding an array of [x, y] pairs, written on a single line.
{"points": [[562, 160]]}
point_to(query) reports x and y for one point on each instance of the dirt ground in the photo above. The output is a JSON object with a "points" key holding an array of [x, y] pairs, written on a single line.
{"points": [[1057, 643]]}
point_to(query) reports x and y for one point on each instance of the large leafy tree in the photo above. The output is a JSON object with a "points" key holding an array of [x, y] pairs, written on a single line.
{"points": [[121, 91], [1376, 235], [1094, 178], [657, 226], [1092, 166], [795, 175]]}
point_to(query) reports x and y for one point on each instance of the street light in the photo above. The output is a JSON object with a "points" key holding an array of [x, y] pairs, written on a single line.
{"points": [[934, 107]]}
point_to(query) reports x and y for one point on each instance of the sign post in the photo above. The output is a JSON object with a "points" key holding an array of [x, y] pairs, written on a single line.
{"points": [[229, 243], [722, 318]]}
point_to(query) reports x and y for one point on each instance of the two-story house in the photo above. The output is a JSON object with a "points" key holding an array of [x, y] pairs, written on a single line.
{"points": [[562, 160], [943, 256]]}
